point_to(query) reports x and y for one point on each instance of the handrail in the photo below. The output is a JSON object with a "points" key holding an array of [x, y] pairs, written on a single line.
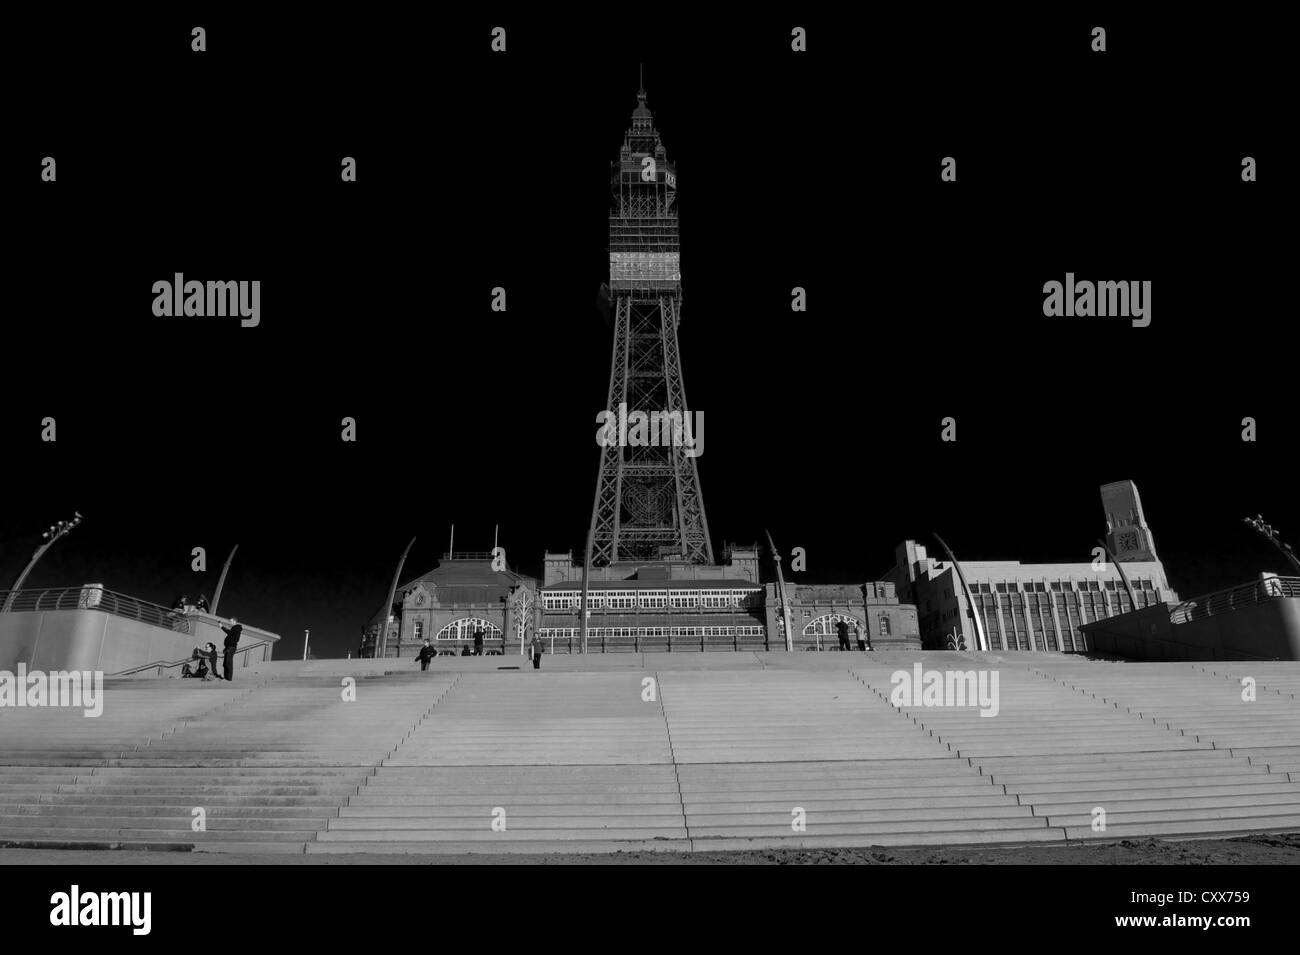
{"points": [[94, 597], [1234, 598], [166, 665]]}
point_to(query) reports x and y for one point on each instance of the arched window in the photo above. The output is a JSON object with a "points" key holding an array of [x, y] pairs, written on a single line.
{"points": [[419, 630], [463, 629], [884, 625], [825, 624]]}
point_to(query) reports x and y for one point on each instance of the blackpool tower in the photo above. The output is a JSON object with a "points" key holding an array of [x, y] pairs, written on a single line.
{"points": [[648, 504]]}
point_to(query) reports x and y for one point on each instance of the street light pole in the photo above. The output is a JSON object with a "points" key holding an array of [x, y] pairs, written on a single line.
{"points": [[785, 604], [221, 581], [586, 584], [977, 611], [387, 610], [1270, 532], [306, 636], [56, 531], [1132, 597]]}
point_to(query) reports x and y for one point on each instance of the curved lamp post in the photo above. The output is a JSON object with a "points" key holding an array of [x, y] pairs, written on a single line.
{"points": [[976, 610], [780, 583], [388, 604], [56, 531], [1132, 597], [221, 581], [1270, 532]]}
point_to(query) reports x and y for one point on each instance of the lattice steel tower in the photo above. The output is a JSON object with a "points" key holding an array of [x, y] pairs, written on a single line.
{"points": [[648, 504]]}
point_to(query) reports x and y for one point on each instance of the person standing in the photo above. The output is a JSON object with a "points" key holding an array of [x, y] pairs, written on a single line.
{"points": [[478, 642], [425, 654], [857, 635], [842, 629], [535, 650], [233, 633]]}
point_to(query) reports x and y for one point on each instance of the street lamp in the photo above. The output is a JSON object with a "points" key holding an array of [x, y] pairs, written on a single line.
{"points": [[977, 611], [55, 532], [1270, 532], [387, 612], [781, 595]]}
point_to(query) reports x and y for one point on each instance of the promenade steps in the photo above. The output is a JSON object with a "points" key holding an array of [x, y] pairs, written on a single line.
{"points": [[1273, 681], [734, 784], [731, 752], [815, 744], [268, 760], [1145, 743]]}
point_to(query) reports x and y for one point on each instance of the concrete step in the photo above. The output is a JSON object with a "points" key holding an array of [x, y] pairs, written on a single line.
{"points": [[584, 844], [400, 836], [1189, 827], [885, 840], [817, 826], [1178, 813], [62, 833], [178, 824]]}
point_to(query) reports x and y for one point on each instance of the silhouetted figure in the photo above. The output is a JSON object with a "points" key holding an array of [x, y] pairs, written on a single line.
{"points": [[842, 629], [201, 670], [478, 642], [426, 654], [211, 653], [206, 664], [465, 651], [535, 650], [233, 633]]}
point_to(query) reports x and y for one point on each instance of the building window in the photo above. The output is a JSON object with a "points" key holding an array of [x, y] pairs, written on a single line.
{"points": [[884, 625], [679, 599], [463, 629], [419, 630], [825, 624], [654, 599]]}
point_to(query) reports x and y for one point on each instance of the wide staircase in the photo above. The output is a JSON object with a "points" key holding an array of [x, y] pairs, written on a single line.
{"points": [[656, 752], [181, 763]]}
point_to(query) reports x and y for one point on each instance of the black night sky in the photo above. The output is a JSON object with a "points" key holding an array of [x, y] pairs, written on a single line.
{"points": [[478, 170]]}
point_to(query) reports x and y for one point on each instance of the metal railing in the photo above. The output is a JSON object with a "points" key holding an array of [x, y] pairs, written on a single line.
{"points": [[93, 598], [167, 665], [1235, 598]]}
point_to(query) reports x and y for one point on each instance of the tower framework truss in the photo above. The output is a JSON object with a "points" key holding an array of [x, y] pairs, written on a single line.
{"points": [[648, 503]]}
